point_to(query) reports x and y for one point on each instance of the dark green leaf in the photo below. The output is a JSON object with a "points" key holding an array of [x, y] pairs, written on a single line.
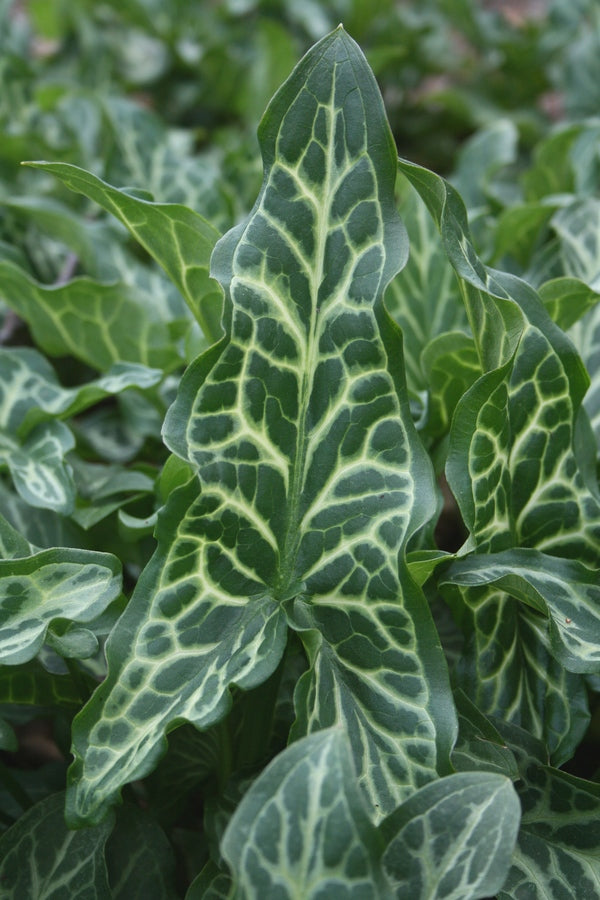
{"points": [[41, 858], [453, 838], [302, 829]]}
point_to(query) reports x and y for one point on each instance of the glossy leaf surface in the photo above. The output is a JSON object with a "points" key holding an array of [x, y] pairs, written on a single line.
{"points": [[298, 424]]}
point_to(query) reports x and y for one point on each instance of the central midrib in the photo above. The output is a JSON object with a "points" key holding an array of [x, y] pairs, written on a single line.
{"points": [[286, 582]]}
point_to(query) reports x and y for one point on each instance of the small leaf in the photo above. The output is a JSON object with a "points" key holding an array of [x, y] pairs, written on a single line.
{"points": [[453, 838], [53, 584], [567, 300], [12, 544], [40, 857], [38, 468], [302, 828]]}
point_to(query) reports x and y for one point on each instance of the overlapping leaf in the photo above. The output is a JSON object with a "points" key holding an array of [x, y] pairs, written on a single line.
{"points": [[565, 591], [40, 857], [302, 829], [453, 838], [512, 467], [179, 239], [76, 585], [33, 442], [298, 424]]}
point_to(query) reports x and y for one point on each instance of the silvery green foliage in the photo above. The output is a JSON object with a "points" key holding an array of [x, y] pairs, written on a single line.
{"points": [[307, 464]]}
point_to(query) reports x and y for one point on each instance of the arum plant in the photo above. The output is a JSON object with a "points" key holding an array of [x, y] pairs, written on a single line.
{"points": [[279, 646]]}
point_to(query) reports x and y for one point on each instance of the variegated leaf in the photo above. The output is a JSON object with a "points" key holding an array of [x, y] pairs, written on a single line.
{"points": [[453, 839], [565, 591], [498, 305], [298, 424], [451, 366], [33, 444], [508, 670], [479, 746], [76, 585], [586, 337], [302, 829], [558, 849], [518, 481], [12, 542], [31, 391], [210, 884], [29, 684], [179, 239], [40, 857], [38, 467], [515, 475], [100, 324]]}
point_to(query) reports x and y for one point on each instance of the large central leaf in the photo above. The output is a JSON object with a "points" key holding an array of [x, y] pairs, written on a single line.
{"points": [[310, 473]]}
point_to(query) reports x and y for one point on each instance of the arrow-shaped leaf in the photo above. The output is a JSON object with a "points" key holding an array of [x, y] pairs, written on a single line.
{"points": [[309, 469]]}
